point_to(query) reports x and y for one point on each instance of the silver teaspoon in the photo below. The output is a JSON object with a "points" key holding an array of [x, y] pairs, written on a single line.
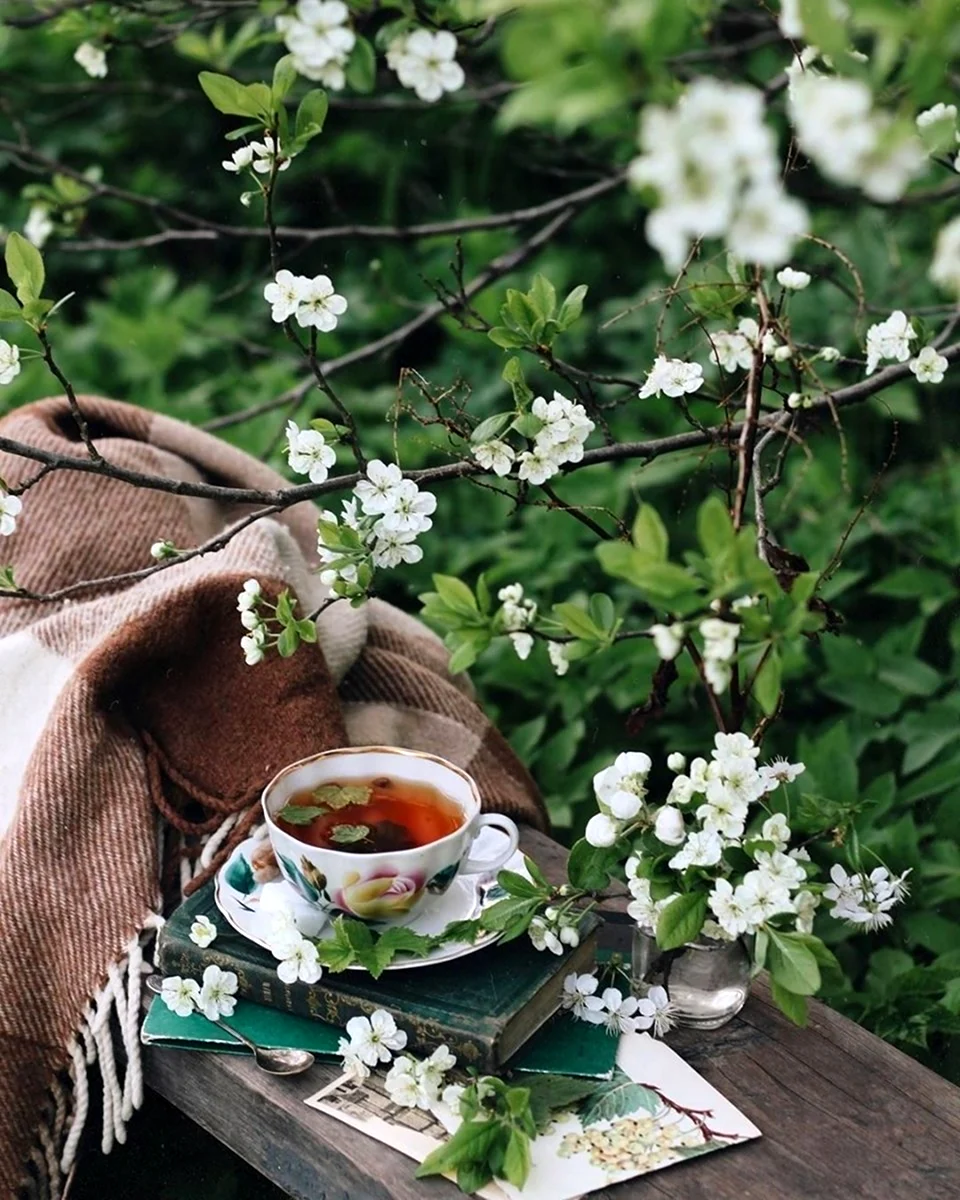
{"points": [[274, 1062]]}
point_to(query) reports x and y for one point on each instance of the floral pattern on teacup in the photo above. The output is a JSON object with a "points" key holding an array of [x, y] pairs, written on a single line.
{"points": [[378, 897]]}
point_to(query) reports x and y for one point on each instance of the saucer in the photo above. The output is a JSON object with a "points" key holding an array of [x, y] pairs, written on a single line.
{"points": [[249, 906]]}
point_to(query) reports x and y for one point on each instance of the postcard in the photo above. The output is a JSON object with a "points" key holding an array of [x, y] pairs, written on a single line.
{"points": [[654, 1112]]}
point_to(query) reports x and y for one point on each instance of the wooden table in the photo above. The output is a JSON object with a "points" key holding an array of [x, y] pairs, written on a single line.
{"points": [[843, 1115]]}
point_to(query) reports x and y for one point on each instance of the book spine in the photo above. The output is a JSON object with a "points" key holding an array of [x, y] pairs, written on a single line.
{"points": [[261, 985]]}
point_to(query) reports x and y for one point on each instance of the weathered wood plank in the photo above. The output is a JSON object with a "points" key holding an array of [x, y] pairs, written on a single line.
{"points": [[844, 1115]]}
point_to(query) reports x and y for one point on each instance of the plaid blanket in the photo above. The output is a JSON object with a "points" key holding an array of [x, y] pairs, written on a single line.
{"points": [[134, 742]]}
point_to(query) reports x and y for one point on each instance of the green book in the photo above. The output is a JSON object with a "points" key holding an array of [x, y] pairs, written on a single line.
{"points": [[268, 1027], [484, 1007]]}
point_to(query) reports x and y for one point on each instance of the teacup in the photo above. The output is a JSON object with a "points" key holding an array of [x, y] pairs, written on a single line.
{"points": [[390, 887]]}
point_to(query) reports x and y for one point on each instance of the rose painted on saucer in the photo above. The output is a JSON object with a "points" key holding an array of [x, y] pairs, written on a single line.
{"points": [[380, 895]]}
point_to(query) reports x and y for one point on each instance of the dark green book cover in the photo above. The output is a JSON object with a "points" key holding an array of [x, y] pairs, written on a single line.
{"points": [[485, 1007], [268, 1027]]}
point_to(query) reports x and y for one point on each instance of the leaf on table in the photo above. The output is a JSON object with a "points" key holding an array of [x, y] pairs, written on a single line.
{"points": [[618, 1097]]}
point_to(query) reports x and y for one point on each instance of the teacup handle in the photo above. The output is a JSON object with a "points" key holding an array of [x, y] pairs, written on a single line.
{"points": [[473, 866]]}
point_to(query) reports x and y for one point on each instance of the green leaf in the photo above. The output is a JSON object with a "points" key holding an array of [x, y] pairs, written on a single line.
{"points": [[462, 658], [335, 952], [499, 915], [577, 621], [794, 1007], [491, 428], [572, 307], [543, 297], [518, 885], [361, 69], [301, 814], [792, 964], [501, 336], [603, 612], [822, 27], [589, 867], [339, 795], [287, 642], [516, 1161], [456, 595], [347, 835], [554, 1093], [25, 268], [681, 921], [714, 528], [470, 1143], [649, 534], [766, 689], [228, 96], [512, 373], [311, 114], [619, 1097], [284, 77], [9, 308]]}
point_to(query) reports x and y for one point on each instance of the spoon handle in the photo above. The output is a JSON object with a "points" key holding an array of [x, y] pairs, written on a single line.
{"points": [[251, 1046]]}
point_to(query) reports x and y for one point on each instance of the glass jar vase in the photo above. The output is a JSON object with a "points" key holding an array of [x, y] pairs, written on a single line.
{"points": [[707, 981]]}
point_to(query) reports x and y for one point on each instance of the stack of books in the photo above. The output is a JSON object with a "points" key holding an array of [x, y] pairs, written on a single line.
{"points": [[486, 1008]]}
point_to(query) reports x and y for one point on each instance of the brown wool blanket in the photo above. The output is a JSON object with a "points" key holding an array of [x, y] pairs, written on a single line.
{"points": [[134, 743]]}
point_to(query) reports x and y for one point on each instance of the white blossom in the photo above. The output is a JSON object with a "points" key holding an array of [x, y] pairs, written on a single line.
{"points": [[285, 294], [393, 547], [775, 829], [92, 58], [9, 362], [929, 365], [522, 644], [10, 508], [308, 453], [495, 456], [374, 1039], [537, 465], [320, 305], [238, 161], [559, 657], [319, 40], [766, 224], [806, 904], [409, 511], [655, 1010], [779, 772], [402, 1085], [38, 225], [864, 900], [376, 492], [731, 351], [218, 995], [793, 280], [672, 377], [601, 830], [939, 112], [302, 962], [576, 990], [202, 932], [945, 266], [763, 895], [353, 1064], [613, 1010], [543, 936], [426, 62], [727, 906], [181, 996], [668, 640], [668, 825], [254, 646], [676, 761], [267, 152], [627, 773], [565, 427], [703, 848], [889, 339]]}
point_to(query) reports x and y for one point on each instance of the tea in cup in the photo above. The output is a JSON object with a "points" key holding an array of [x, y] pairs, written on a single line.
{"points": [[373, 831]]}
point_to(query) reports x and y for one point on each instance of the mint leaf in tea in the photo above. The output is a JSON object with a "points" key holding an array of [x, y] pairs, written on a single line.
{"points": [[370, 816]]}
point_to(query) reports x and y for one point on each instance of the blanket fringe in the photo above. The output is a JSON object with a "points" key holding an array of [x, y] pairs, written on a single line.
{"points": [[111, 1018]]}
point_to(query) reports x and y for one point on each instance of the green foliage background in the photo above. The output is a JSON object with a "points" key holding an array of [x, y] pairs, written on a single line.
{"points": [[182, 328]]}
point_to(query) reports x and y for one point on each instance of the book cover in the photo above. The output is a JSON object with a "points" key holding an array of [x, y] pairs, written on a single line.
{"points": [[484, 1007], [268, 1027]]}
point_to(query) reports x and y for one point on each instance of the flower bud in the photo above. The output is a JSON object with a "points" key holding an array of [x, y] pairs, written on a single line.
{"points": [[676, 762], [551, 914], [570, 936], [601, 831], [624, 805], [669, 826]]}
